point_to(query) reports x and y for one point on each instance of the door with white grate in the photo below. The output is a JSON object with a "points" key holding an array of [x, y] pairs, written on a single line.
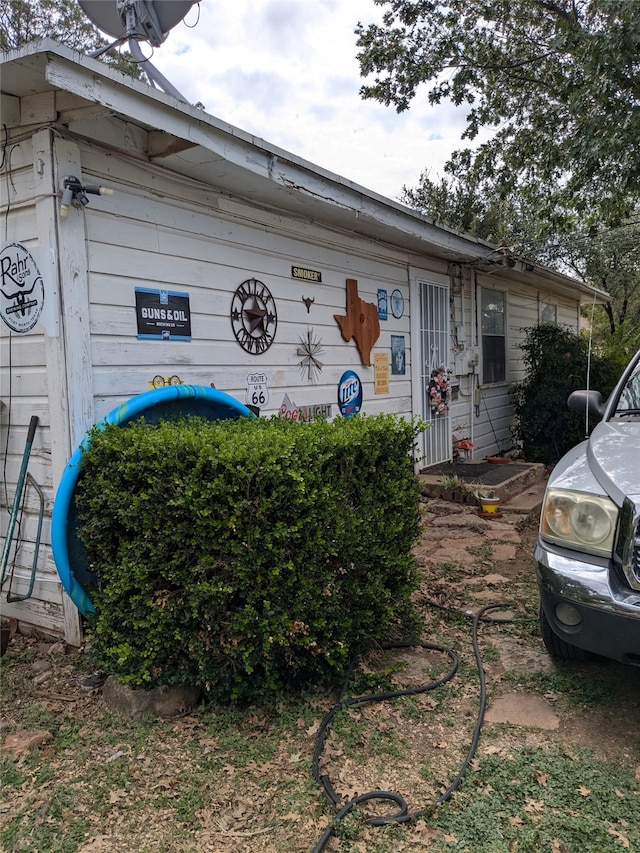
{"points": [[434, 353]]}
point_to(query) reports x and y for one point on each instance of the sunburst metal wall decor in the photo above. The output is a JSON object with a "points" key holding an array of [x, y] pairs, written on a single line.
{"points": [[310, 348]]}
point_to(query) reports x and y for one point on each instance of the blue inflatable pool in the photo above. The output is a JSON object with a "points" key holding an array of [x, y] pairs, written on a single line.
{"points": [[162, 404]]}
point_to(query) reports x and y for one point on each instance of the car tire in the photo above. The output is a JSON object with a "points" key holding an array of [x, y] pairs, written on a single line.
{"points": [[558, 648]]}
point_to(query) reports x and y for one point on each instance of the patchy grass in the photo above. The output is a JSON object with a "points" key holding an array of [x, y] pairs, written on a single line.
{"points": [[238, 780], [579, 687], [547, 799]]}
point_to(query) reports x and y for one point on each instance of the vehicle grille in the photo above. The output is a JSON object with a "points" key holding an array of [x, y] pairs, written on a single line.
{"points": [[629, 540], [635, 553]]}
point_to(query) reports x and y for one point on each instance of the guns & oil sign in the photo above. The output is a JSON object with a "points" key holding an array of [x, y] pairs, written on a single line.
{"points": [[163, 314]]}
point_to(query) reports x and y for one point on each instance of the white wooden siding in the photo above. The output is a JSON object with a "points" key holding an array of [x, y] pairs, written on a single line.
{"points": [[24, 391], [162, 230], [141, 237], [491, 428]]}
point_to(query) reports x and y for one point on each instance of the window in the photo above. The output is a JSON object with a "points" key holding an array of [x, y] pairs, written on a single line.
{"points": [[549, 313], [494, 340]]}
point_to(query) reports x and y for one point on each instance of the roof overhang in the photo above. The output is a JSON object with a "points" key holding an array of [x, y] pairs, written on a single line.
{"points": [[191, 143]]}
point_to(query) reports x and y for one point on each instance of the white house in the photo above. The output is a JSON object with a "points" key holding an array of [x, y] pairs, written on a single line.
{"points": [[162, 244]]}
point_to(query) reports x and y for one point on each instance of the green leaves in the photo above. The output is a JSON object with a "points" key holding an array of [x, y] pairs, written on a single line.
{"points": [[247, 556], [525, 799], [24, 21], [559, 81], [556, 361]]}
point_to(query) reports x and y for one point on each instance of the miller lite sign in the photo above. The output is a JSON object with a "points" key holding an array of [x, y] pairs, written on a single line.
{"points": [[349, 394]]}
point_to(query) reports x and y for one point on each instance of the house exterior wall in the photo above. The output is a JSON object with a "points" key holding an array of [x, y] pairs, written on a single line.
{"points": [[162, 231], [31, 385], [483, 412], [158, 232]]}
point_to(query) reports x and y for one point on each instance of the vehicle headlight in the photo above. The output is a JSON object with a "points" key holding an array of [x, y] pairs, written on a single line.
{"points": [[579, 520]]}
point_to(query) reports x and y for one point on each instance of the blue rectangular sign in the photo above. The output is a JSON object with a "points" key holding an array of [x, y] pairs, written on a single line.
{"points": [[163, 315]]}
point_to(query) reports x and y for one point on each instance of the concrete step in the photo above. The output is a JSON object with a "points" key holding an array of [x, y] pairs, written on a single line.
{"points": [[519, 485], [529, 501]]}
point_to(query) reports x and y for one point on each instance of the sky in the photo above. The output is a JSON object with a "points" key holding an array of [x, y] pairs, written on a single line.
{"points": [[286, 71]]}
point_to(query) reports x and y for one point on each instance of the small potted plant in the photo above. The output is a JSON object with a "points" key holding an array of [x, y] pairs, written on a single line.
{"points": [[489, 501], [450, 486], [468, 494], [463, 448], [453, 488]]}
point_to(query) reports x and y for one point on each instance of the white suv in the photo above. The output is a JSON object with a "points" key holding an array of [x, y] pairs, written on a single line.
{"points": [[588, 547]]}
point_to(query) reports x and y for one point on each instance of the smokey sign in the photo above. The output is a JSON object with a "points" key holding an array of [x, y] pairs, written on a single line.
{"points": [[21, 289]]}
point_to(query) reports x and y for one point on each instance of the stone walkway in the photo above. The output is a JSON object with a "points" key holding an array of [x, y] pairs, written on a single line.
{"points": [[457, 529]]}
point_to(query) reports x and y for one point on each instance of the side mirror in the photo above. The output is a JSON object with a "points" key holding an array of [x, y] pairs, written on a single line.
{"points": [[589, 401]]}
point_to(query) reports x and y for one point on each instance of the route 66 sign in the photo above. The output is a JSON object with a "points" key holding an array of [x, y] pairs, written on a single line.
{"points": [[21, 289], [257, 391]]}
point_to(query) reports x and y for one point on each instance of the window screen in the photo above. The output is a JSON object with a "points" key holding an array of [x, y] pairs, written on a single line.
{"points": [[494, 341]]}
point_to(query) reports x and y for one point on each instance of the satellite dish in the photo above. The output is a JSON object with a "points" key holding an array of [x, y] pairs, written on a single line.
{"points": [[135, 21], [146, 20]]}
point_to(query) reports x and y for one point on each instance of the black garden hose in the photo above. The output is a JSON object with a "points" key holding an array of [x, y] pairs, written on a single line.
{"points": [[403, 815]]}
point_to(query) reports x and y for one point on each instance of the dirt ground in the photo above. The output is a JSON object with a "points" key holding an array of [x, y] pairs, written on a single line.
{"points": [[505, 572], [240, 781]]}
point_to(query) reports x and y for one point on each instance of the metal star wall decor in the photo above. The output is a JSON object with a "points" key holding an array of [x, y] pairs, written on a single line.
{"points": [[253, 316], [310, 348]]}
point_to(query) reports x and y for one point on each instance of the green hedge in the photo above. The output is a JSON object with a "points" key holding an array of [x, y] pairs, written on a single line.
{"points": [[247, 556], [556, 363]]}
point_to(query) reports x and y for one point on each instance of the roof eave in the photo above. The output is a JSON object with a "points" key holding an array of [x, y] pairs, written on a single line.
{"points": [[215, 151]]}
